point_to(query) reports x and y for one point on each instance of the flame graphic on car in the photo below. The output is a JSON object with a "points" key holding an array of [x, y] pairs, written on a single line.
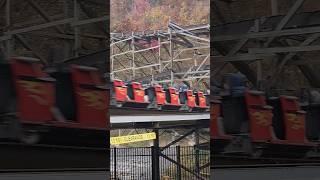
{"points": [[35, 90], [139, 93], [94, 99], [262, 118], [296, 122]]}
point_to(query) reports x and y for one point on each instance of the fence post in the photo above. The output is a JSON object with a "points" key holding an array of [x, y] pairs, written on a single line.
{"points": [[197, 158], [115, 163], [155, 163], [179, 162], [156, 157]]}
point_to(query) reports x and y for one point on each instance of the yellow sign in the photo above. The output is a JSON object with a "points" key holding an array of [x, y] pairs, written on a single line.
{"points": [[132, 138]]}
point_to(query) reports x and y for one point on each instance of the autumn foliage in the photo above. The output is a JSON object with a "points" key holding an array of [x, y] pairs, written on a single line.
{"points": [[141, 15]]}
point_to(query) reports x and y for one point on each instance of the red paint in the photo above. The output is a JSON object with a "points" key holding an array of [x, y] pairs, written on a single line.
{"points": [[260, 117], [35, 97], [202, 100], [294, 120], [120, 90], [138, 92], [174, 96], [191, 99], [160, 95], [215, 114], [90, 97]]}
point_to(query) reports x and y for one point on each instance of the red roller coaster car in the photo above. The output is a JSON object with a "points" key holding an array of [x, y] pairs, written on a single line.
{"points": [[273, 127], [76, 99]]}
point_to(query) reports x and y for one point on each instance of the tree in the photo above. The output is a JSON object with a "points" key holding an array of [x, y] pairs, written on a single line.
{"points": [[140, 7], [139, 15]]}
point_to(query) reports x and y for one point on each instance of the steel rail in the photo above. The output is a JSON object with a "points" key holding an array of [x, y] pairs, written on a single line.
{"points": [[220, 161], [265, 166]]}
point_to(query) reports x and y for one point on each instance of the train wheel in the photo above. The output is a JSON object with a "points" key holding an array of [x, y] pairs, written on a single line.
{"points": [[30, 137]]}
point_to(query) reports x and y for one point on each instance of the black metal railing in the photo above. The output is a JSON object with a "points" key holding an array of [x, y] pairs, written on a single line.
{"points": [[177, 163]]}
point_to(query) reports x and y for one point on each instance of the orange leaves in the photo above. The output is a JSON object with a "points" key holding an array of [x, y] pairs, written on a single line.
{"points": [[140, 15]]}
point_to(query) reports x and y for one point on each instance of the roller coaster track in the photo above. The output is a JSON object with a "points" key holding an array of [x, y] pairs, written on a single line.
{"points": [[266, 166], [142, 111], [224, 161], [148, 118]]}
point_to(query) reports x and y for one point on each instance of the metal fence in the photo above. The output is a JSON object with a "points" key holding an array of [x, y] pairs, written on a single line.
{"points": [[176, 163]]}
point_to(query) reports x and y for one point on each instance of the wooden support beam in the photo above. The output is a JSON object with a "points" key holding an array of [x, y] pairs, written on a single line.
{"points": [[91, 14], [274, 7], [283, 49], [267, 34], [275, 73], [284, 21], [25, 44], [43, 14], [311, 75]]}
